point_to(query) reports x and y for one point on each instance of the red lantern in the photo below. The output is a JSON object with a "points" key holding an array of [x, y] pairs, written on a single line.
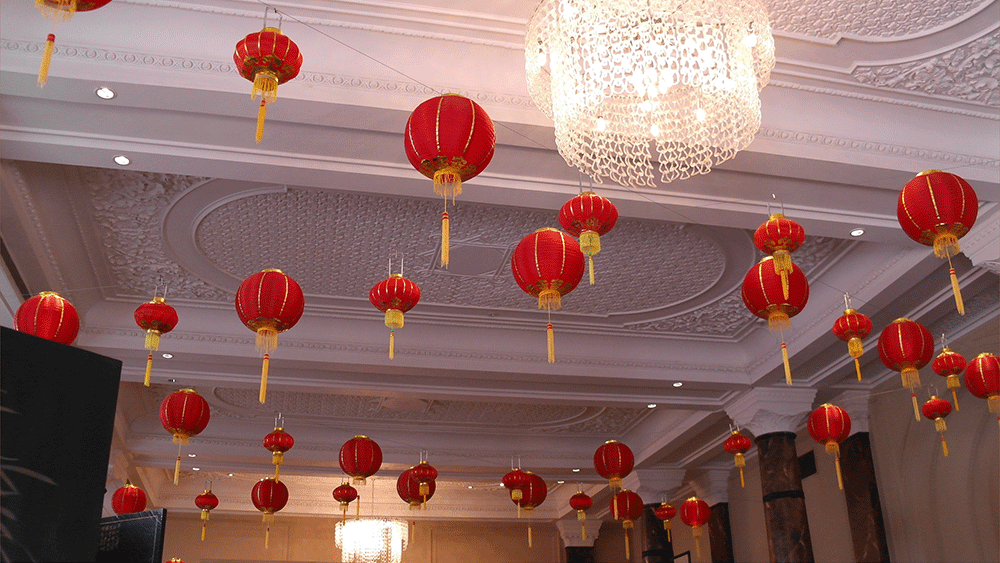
{"points": [[852, 327], [410, 489], [547, 264], [449, 139], [906, 346], [738, 444], [695, 513], [206, 501], [47, 315], [425, 474], [360, 457], [779, 237], [269, 302], [533, 494], [665, 512], [949, 364], [613, 461], [982, 379], [627, 507], [345, 495], [278, 442], [128, 499], [394, 296], [267, 58], [580, 502], [587, 217], [269, 496], [59, 11], [830, 425], [184, 413], [763, 296], [514, 481], [156, 318], [936, 409]]}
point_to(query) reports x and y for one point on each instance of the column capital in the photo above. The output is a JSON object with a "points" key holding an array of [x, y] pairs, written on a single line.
{"points": [[763, 410], [572, 534], [712, 486], [653, 484], [982, 243], [856, 405]]}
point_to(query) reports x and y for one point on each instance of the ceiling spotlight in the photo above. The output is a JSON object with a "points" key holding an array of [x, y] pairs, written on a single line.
{"points": [[560, 482], [651, 406], [168, 356], [576, 470], [122, 160], [195, 469], [857, 232], [470, 486], [230, 474], [678, 383], [171, 380], [105, 93], [192, 455]]}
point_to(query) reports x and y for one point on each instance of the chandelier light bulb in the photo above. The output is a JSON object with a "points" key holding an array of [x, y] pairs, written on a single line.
{"points": [[700, 114], [601, 124]]}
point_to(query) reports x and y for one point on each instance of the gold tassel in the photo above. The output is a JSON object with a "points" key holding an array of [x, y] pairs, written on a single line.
{"points": [[204, 525], [267, 538], [448, 182], [944, 445], [696, 531], [782, 261], [152, 340], [628, 551], [916, 409], [530, 543], [551, 338], [666, 525], [778, 321], [549, 299], [149, 369], [788, 368], [445, 240], [857, 367], [43, 71], [263, 378], [957, 292], [743, 483], [392, 344], [740, 460], [946, 245], [516, 495], [954, 383], [267, 339], [939, 425], [261, 114], [425, 489], [583, 529], [277, 458], [394, 318], [954, 397], [518, 510], [277, 468], [177, 470], [911, 377], [590, 262], [840, 478], [855, 347]]}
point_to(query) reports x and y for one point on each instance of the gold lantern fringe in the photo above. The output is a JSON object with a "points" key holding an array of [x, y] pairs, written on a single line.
{"points": [[954, 383], [778, 321], [855, 348], [666, 526], [152, 340], [265, 83], [516, 495], [445, 239], [784, 360], [277, 458], [993, 401], [946, 245], [58, 11], [43, 70], [590, 244], [425, 489], [939, 425], [615, 483], [958, 292], [911, 377], [393, 320], [582, 517], [549, 299], [782, 266], [448, 183], [741, 462], [696, 532], [550, 338]]}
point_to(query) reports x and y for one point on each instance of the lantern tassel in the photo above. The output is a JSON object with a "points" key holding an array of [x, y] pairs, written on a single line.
{"points": [[43, 70], [177, 470], [149, 369], [263, 377], [743, 483], [840, 478], [954, 397], [551, 339], [583, 529], [277, 469], [204, 526], [857, 367], [910, 377], [696, 532], [916, 409], [628, 551], [590, 262], [666, 526], [530, 543], [261, 114], [944, 445], [267, 537], [788, 367], [957, 292], [445, 239], [392, 344], [448, 182]]}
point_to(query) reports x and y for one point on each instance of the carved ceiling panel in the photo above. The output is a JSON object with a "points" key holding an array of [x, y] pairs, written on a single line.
{"points": [[867, 18]]}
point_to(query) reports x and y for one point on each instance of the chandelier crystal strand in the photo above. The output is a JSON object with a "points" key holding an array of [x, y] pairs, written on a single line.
{"points": [[373, 540], [622, 79]]}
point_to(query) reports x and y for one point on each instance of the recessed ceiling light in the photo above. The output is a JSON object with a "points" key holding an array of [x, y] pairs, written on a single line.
{"points": [[192, 455], [651, 406], [857, 232], [122, 160], [678, 383], [172, 380], [168, 356], [230, 474], [105, 93], [576, 470], [195, 469], [560, 482], [470, 486]]}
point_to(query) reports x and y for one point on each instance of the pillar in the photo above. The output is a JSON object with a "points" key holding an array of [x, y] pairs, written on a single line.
{"points": [[712, 486], [654, 485], [578, 550], [656, 548]]}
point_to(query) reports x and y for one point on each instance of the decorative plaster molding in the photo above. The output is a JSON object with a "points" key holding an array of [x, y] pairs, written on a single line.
{"points": [[982, 243], [867, 18], [571, 533], [712, 485], [653, 484], [856, 405], [20, 186], [763, 410]]}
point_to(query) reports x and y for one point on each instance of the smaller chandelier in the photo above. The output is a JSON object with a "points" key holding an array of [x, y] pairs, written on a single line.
{"points": [[623, 78], [372, 540]]}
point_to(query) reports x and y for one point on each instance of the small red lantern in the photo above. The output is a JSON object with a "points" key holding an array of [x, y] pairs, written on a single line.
{"points": [[587, 217], [627, 507], [580, 502], [949, 364], [394, 296], [533, 494], [738, 444], [547, 264], [936, 209], [830, 425], [982, 379], [449, 139], [269, 496], [267, 58], [425, 474], [269, 302], [184, 413], [59, 11], [156, 318], [412, 491], [175, 560], [665, 512], [345, 495], [515, 480], [763, 296], [852, 328], [695, 513], [278, 442], [779, 237], [47, 315], [128, 499], [906, 346], [207, 502], [936, 409], [360, 457], [613, 461]]}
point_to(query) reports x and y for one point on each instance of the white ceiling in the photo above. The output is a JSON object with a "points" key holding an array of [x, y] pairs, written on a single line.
{"points": [[864, 95]]}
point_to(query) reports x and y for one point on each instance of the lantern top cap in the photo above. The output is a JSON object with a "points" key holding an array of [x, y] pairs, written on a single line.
{"points": [[271, 29], [191, 391], [546, 229], [395, 276], [826, 405], [985, 355], [611, 442], [272, 270], [946, 350], [664, 503], [776, 216], [423, 463], [279, 428], [736, 433], [207, 492], [902, 320], [850, 312], [362, 436], [129, 485], [694, 498], [933, 398], [926, 172], [49, 293]]}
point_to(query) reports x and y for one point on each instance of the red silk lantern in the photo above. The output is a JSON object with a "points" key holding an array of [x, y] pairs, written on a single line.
{"points": [[449, 139], [852, 328], [763, 296], [779, 237], [627, 507], [207, 502], [394, 296], [269, 496], [936, 209], [580, 502], [278, 442], [613, 461], [982, 379], [936, 409], [360, 457], [425, 474], [949, 364], [267, 58], [695, 513], [830, 425], [411, 490], [665, 512], [184, 413], [533, 494], [587, 217], [514, 481], [345, 495], [269, 302], [547, 264], [48, 315], [128, 499], [156, 318], [59, 11], [738, 444], [906, 346]]}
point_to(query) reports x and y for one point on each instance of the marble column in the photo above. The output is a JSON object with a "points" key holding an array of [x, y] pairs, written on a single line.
{"points": [[656, 548], [712, 486], [720, 534], [578, 550], [653, 485]]}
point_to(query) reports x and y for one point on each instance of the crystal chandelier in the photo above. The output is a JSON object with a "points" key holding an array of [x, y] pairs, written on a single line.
{"points": [[621, 78], [372, 540]]}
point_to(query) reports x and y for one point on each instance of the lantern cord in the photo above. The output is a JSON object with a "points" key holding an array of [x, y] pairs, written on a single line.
{"points": [[43, 70], [149, 369], [955, 289]]}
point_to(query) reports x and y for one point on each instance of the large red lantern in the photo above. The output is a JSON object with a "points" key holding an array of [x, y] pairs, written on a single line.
{"points": [[184, 413], [515, 480], [738, 444], [830, 425], [411, 490], [852, 327], [425, 474], [269, 496], [779, 237], [533, 494], [156, 318], [906, 346], [613, 460], [949, 364], [627, 507], [936, 209], [59, 11], [360, 457], [269, 302], [580, 502], [982, 379], [345, 494], [207, 502], [48, 315], [128, 499], [587, 217], [449, 139], [763, 296], [394, 296], [665, 512], [267, 58], [548, 264], [937, 409], [695, 513], [278, 442]]}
